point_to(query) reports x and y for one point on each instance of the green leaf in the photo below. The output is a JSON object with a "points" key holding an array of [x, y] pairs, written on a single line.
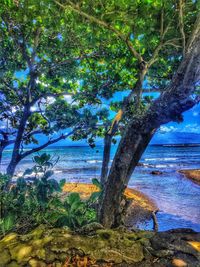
{"points": [[28, 171], [97, 183], [62, 182], [74, 198]]}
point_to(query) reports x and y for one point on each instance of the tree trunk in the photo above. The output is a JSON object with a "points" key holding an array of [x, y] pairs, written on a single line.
{"points": [[106, 158], [168, 107], [12, 165], [16, 157], [127, 156], [3, 145], [1, 153]]}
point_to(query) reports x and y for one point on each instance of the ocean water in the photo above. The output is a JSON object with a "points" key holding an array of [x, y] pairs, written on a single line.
{"points": [[177, 198]]}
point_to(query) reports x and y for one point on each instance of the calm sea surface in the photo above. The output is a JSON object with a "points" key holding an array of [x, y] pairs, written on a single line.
{"points": [[177, 197]]}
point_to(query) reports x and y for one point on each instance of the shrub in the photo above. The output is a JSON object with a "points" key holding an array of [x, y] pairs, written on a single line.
{"points": [[35, 199]]}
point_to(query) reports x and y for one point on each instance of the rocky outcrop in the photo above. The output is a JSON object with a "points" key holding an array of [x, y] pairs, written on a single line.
{"points": [[156, 172], [61, 248]]}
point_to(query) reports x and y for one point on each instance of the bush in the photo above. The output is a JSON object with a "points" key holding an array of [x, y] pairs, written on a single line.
{"points": [[35, 199]]}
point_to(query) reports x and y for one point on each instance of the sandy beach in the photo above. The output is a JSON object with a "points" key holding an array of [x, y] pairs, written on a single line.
{"points": [[140, 209], [193, 174]]}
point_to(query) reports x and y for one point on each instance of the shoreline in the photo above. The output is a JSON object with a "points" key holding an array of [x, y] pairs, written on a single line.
{"points": [[192, 174], [140, 209]]}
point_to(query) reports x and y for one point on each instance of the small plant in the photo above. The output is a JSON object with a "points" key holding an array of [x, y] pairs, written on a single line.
{"points": [[34, 200], [44, 186], [96, 196], [7, 224], [76, 212]]}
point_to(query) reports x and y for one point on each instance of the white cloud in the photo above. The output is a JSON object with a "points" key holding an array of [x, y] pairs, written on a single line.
{"points": [[68, 98], [34, 108], [195, 113], [167, 129], [51, 99], [14, 109], [188, 128]]}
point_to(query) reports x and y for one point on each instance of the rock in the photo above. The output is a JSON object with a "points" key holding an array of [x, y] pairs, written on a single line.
{"points": [[156, 172], [21, 252], [163, 253], [90, 228], [179, 263], [37, 263], [13, 264], [161, 242], [145, 242], [195, 245], [4, 258], [145, 234], [193, 175], [8, 240], [52, 247], [106, 233], [181, 231]]}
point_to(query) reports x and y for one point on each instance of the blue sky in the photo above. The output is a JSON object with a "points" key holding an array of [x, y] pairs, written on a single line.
{"points": [[186, 132], [172, 133]]}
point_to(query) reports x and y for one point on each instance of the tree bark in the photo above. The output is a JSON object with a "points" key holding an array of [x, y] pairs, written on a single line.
{"points": [[106, 158], [13, 164], [168, 107], [16, 150], [127, 156], [1, 153]]}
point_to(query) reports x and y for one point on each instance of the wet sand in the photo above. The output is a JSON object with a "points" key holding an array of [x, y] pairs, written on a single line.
{"points": [[193, 174]]}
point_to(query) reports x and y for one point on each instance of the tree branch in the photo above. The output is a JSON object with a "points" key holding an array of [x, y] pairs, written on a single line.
{"points": [[154, 57], [50, 142], [69, 60], [181, 24], [99, 22], [48, 94], [36, 43]]}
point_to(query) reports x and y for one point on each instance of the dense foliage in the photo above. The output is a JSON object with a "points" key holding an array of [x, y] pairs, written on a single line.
{"points": [[40, 80], [36, 199]]}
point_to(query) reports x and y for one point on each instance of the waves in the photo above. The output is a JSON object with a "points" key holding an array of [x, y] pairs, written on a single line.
{"points": [[159, 159], [93, 161]]}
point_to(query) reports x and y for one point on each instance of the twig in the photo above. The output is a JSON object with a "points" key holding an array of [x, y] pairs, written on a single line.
{"points": [[155, 221], [181, 24]]}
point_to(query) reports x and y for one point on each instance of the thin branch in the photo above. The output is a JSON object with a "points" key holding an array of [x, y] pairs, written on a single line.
{"points": [[99, 22], [44, 95], [181, 25], [4, 134], [28, 135], [50, 142], [15, 91], [162, 22], [70, 60], [42, 114], [5, 143], [154, 57], [36, 43]]}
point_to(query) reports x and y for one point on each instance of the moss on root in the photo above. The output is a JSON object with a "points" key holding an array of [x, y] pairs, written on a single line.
{"points": [[49, 246], [61, 247]]}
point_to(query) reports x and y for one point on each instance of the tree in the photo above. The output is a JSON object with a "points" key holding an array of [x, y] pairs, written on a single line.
{"points": [[155, 49], [40, 59]]}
